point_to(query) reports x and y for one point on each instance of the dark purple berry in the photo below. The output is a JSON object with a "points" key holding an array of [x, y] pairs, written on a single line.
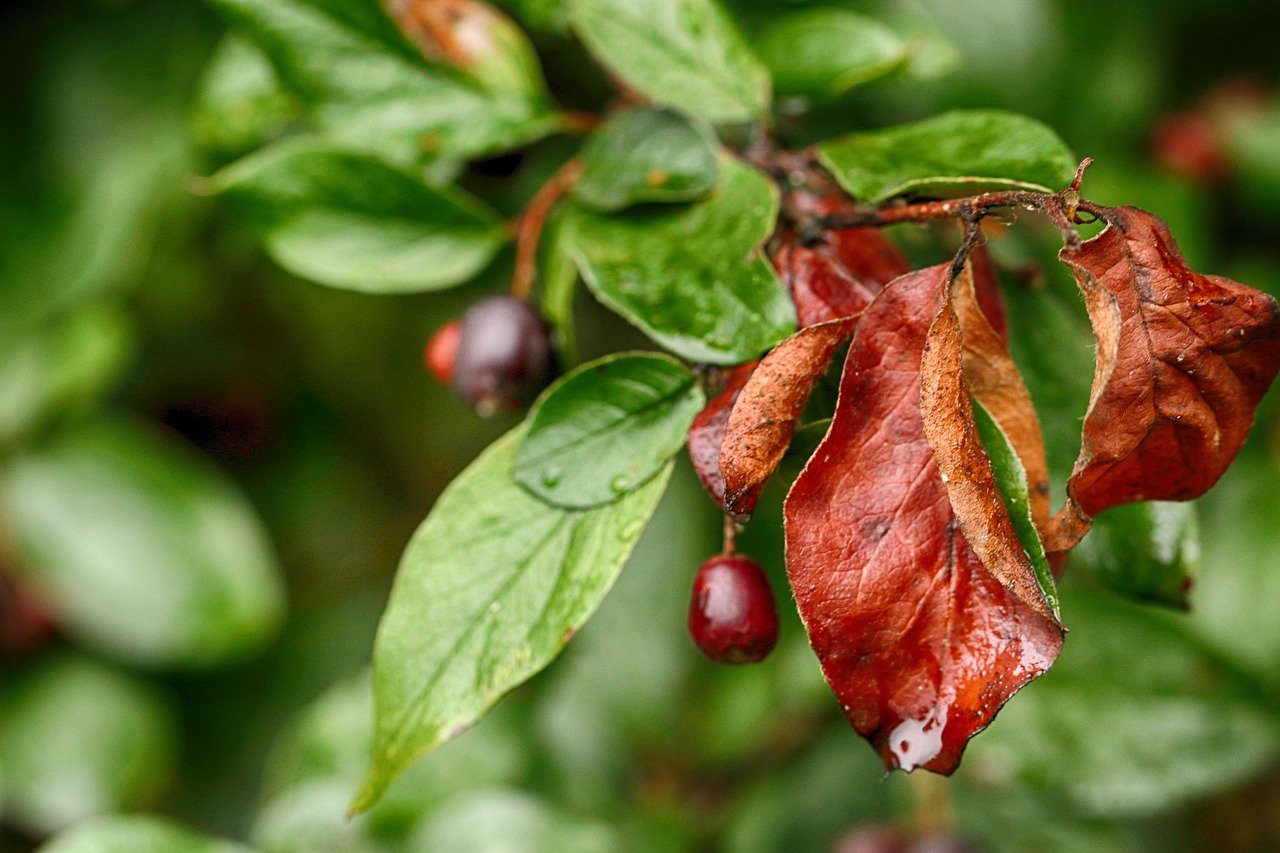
{"points": [[732, 615], [503, 355]]}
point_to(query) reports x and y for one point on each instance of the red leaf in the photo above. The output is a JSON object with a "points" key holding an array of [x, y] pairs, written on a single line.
{"points": [[920, 642], [838, 278], [706, 434], [1183, 360], [765, 415]]}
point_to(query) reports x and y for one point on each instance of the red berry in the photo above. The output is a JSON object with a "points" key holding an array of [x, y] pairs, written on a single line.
{"points": [[1190, 145], [732, 616], [441, 352]]}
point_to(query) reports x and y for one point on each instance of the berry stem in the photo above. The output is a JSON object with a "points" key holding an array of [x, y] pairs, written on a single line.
{"points": [[529, 227], [730, 546]]}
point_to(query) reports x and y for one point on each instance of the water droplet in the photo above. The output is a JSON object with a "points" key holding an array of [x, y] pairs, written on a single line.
{"points": [[620, 484], [551, 476], [630, 530]]}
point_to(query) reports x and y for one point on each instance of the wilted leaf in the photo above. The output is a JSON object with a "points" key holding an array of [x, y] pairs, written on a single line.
{"points": [[766, 412], [693, 278], [606, 429], [78, 739], [684, 54], [920, 642], [136, 834], [821, 53], [646, 155], [964, 465], [706, 434], [1182, 361], [350, 220], [489, 590], [364, 85], [964, 151], [115, 520]]}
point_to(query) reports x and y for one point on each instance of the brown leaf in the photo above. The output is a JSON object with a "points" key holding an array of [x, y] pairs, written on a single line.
{"points": [[965, 470], [1182, 361], [920, 642], [839, 277], [706, 434], [765, 414]]}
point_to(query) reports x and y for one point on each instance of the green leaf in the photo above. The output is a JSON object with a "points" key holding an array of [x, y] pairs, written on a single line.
{"points": [[513, 822], [684, 54], [607, 428], [692, 279], [78, 739], [558, 276], [820, 53], [646, 155], [369, 89], [960, 152], [351, 221], [1136, 716], [1147, 552], [1011, 480], [61, 364], [141, 547], [136, 834], [489, 590], [240, 103]]}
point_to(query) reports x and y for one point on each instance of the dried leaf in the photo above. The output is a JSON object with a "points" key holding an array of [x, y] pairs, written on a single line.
{"points": [[765, 414], [706, 435], [920, 642], [1182, 361], [966, 471]]}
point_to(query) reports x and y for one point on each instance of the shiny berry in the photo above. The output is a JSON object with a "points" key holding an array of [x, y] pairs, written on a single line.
{"points": [[502, 357], [441, 352], [732, 615]]}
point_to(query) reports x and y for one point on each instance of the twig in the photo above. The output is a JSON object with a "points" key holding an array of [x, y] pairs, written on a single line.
{"points": [[529, 227]]}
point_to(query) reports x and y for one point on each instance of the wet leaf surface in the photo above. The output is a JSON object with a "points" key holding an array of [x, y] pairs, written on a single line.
{"points": [[920, 642]]}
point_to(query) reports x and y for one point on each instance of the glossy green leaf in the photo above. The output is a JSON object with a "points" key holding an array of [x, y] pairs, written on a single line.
{"points": [[141, 547], [960, 152], [489, 590], [607, 428], [1147, 552], [369, 89], [79, 739], [136, 834], [511, 821], [645, 155], [684, 54], [351, 221], [1136, 715], [692, 279], [1011, 480], [820, 53], [62, 364], [240, 103]]}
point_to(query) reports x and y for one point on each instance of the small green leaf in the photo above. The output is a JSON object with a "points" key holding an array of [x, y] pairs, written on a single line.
{"points": [[489, 590], [964, 151], [607, 428], [692, 279], [646, 155], [1136, 716], [61, 364], [558, 276], [821, 53], [1011, 480], [684, 54], [78, 739], [136, 834], [1147, 552], [370, 90], [240, 103], [141, 547], [351, 221]]}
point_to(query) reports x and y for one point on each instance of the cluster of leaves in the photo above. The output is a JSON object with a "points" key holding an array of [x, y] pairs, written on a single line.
{"points": [[920, 546]]}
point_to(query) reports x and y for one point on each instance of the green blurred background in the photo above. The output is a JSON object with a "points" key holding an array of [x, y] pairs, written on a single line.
{"points": [[161, 383]]}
